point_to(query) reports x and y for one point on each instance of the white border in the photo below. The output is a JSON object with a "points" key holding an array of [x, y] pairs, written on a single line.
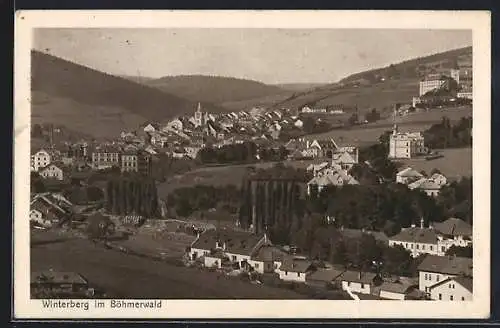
{"points": [[477, 21]]}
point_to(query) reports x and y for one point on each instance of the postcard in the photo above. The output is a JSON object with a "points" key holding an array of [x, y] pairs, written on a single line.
{"points": [[251, 164]]}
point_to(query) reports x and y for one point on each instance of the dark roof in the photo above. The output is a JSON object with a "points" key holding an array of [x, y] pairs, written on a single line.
{"points": [[396, 287], [293, 264], [447, 264], [357, 233], [326, 275], [466, 282], [236, 242], [57, 277], [454, 227], [269, 253], [369, 297], [417, 234], [357, 276]]}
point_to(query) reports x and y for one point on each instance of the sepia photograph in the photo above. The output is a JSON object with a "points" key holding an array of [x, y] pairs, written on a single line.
{"points": [[272, 158]]}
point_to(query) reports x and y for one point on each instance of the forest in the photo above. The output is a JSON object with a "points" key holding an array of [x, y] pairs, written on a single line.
{"points": [[447, 135]]}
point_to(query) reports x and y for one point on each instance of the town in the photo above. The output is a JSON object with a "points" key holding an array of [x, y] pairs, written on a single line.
{"points": [[272, 201]]}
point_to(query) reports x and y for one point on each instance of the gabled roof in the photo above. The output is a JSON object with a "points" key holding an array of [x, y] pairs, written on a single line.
{"points": [[454, 227], [293, 264], [357, 276], [466, 282], [236, 242], [417, 234], [396, 287], [447, 264], [343, 157], [57, 277], [269, 253], [424, 184], [325, 275], [410, 173]]}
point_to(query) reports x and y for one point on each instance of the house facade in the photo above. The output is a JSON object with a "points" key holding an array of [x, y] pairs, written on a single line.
{"points": [[452, 289], [405, 145], [408, 175], [52, 171], [40, 159], [295, 269], [435, 269], [106, 157]]}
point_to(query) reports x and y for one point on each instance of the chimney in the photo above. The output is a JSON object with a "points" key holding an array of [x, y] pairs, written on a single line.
{"points": [[359, 275]]}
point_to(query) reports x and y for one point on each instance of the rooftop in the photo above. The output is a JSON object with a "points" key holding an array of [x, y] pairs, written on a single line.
{"points": [[447, 264], [417, 234], [57, 277], [454, 227]]}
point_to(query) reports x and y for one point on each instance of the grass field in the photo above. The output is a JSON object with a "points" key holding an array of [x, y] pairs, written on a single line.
{"points": [[455, 163], [128, 276], [369, 133]]}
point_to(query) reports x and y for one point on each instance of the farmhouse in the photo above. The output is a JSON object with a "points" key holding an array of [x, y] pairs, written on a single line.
{"points": [[431, 186], [241, 249], [295, 269], [396, 290], [47, 210], [358, 281], [60, 283], [452, 289]]}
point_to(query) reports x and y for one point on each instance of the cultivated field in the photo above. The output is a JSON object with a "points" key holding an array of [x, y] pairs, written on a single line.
{"points": [[455, 163], [129, 276]]}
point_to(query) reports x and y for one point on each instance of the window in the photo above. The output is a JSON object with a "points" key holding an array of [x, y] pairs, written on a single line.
{"points": [[417, 246], [463, 298], [430, 247], [430, 276], [449, 286], [286, 273], [443, 249], [234, 257], [451, 297], [256, 265], [298, 274], [440, 297], [411, 246], [423, 247], [437, 277], [425, 276], [348, 283], [362, 286]]}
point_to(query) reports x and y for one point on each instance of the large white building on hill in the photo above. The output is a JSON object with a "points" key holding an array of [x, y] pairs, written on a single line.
{"points": [[405, 144]]}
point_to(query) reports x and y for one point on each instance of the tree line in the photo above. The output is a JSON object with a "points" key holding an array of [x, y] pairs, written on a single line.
{"points": [[132, 195]]}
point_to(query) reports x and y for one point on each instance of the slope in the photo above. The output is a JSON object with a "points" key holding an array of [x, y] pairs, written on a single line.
{"points": [[213, 89], [85, 99], [379, 88]]}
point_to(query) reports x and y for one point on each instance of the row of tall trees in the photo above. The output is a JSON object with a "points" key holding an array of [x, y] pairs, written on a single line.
{"points": [[132, 195]]}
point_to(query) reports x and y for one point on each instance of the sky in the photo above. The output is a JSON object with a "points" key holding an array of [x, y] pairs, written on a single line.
{"points": [[271, 56]]}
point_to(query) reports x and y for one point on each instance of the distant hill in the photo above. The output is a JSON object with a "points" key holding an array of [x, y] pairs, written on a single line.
{"points": [[299, 86], [379, 88], [138, 79], [100, 104], [213, 89]]}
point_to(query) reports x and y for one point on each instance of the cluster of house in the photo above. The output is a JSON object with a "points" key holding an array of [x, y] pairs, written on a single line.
{"points": [[184, 136], [60, 162], [416, 180], [440, 277]]}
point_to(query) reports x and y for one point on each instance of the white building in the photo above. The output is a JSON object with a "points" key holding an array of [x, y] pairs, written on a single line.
{"points": [[403, 145], [40, 159], [295, 269], [431, 186], [435, 269], [457, 288], [408, 175], [434, 240], [52, 171]]}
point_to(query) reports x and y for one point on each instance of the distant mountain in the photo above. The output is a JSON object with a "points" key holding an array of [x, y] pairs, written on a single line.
{"points": [[84, 99], [213, 89], [138, 79], [378, 88]]}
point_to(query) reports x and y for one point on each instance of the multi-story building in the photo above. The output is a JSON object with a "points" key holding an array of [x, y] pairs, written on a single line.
{"points": [[436, 270], [40, 159], [106, 157], [405, 144], [434, 240], [136, 161], [435, 81]]}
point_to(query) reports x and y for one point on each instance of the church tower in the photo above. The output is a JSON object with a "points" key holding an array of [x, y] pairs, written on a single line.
{"points": [[198, 116]]}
